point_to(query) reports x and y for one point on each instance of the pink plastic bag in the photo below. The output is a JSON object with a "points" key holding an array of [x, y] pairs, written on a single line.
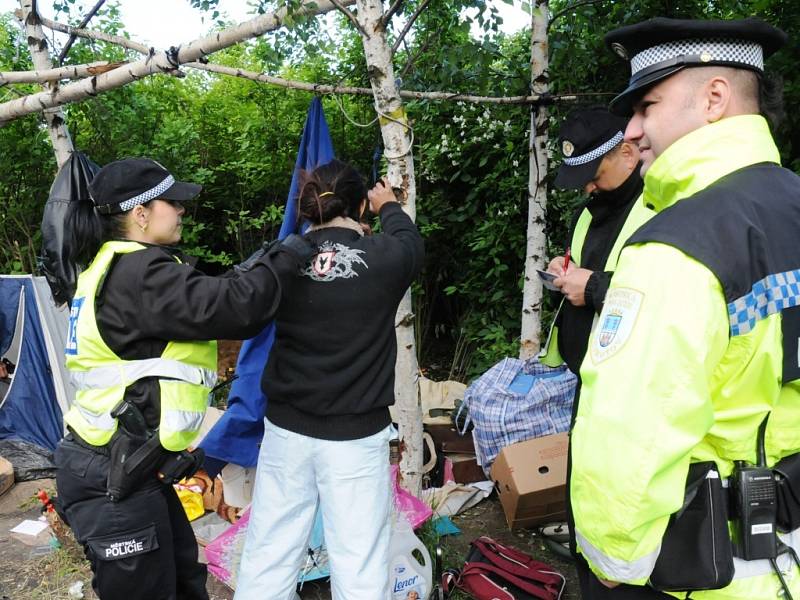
{"points": [[415, 510], [224, 553]]}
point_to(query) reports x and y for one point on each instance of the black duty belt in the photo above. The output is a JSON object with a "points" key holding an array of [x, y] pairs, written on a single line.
{"points": [[78, 440]]}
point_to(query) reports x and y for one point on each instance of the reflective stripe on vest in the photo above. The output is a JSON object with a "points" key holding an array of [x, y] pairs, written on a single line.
{"points": [[182, 420], [102, 421], [639, 214], [185, 371], [126, 373]]}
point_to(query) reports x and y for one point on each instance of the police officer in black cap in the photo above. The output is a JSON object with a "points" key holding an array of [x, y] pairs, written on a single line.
{"points": [[140, 351], [606, 168], [692, 374], [597, 160]]}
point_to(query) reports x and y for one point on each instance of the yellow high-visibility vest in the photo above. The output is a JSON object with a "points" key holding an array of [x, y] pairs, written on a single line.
{"points": [[639, 214], [186, 370]]}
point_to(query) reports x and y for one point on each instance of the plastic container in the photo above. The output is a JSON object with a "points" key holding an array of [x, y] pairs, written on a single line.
{"points": [[409, 579]]}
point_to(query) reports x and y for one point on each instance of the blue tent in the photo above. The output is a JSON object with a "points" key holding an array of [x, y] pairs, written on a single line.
{"points": [[32, 337], [236, 436]]}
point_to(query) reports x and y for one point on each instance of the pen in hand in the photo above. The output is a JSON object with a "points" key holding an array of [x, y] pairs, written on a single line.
{"points": [[566, 260]]}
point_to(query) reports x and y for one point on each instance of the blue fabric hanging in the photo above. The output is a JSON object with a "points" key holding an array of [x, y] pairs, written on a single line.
{"points": [[236, 436]]}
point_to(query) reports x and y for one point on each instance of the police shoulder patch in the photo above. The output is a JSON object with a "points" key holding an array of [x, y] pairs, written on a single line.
{"points": [[620, 310]]}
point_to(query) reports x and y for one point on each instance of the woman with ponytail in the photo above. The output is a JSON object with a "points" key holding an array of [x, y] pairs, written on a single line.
{"points": [[141, 354], [329, 383]]}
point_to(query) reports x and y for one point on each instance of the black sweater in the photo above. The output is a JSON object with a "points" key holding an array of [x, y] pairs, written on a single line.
{"points": [[330, 373], [609, 211]]}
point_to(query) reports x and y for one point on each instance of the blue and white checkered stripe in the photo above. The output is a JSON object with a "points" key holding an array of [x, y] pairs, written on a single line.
{"points": [[150, 194], [596, 153], [768, 296]]}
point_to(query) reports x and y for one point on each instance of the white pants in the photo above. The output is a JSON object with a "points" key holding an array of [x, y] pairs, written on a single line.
{"points": [[350, 482]]}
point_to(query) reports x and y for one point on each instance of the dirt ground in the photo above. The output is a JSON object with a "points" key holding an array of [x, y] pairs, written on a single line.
{"points": [[39, 573]]}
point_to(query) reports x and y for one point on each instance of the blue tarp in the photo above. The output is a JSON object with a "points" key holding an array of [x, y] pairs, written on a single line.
{"points": [[30, 411], [236, 436]]}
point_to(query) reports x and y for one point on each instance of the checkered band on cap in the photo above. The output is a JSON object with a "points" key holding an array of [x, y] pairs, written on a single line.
{"points": [[707, 50], [601, 150], [768, 296], [148, 195]]}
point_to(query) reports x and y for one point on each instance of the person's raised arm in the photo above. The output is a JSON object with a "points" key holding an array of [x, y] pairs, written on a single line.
{"points": [[397, 224], [179, 302]]}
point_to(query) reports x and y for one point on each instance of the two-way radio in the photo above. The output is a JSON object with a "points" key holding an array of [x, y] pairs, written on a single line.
{"points": [[754, 495], [754, 506]]}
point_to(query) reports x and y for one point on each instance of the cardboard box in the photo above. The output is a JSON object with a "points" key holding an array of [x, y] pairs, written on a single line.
{"points": [[530, 478], [6, 475]]}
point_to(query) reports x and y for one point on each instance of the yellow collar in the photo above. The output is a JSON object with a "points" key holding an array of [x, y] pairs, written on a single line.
{"points": [[704, 155]]}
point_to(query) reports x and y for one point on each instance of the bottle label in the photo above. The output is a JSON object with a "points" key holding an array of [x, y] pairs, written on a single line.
{"points": [[406, 584]]}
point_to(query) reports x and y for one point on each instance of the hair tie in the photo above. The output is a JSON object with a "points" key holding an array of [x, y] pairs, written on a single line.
{"points": [[326, 194]]}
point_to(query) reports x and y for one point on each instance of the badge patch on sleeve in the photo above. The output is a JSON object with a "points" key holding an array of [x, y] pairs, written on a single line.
{"points": [[125, 545], [72, 334], [616, 322]]}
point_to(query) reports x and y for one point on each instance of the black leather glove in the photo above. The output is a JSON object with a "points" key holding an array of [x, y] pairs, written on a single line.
{"points": [[181, 465], [299, 247], [247, 264]]}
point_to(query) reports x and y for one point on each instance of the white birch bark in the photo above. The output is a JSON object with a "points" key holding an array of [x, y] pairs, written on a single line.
{"points": [[37, 43], [537, 189], [158, 61], [316, 88], [397, 149], [58, 73]]}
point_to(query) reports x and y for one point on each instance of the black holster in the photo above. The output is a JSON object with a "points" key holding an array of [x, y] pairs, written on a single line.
{"points": [[133, 459]]}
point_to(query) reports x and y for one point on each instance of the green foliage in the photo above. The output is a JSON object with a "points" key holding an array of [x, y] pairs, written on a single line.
{"points": [[239, 138]]}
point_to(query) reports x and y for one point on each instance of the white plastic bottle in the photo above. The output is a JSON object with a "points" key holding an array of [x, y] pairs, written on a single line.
{"points": [[409, 578]]}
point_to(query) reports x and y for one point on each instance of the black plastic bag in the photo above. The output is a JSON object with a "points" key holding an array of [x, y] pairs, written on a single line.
{"points": [[69, 189], [696, 551], [28, 460]]}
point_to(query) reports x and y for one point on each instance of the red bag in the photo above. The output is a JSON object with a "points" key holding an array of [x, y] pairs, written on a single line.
{"points": [[496, 572]]}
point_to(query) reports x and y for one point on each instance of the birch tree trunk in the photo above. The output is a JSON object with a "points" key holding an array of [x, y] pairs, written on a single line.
{"points": [[397, 149], [537, 190], [56, 125]]}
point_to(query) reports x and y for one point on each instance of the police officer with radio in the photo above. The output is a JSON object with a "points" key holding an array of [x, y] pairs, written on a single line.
{"points": [[140, 351], [691, 384]]}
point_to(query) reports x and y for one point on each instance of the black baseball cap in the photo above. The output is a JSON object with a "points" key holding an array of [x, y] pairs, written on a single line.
{"points": [[660, 47], [585, 138], [123, 184]]}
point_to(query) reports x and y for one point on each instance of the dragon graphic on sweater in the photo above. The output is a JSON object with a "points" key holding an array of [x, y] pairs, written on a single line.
{"points": [[334, 261]]}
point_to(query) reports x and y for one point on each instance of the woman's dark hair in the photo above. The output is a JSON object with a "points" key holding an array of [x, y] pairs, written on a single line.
{"points": [[332, 190], [90, 230]]}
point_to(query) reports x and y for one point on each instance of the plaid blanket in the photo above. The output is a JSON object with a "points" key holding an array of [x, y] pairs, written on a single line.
{"points": [[515, 401]]}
